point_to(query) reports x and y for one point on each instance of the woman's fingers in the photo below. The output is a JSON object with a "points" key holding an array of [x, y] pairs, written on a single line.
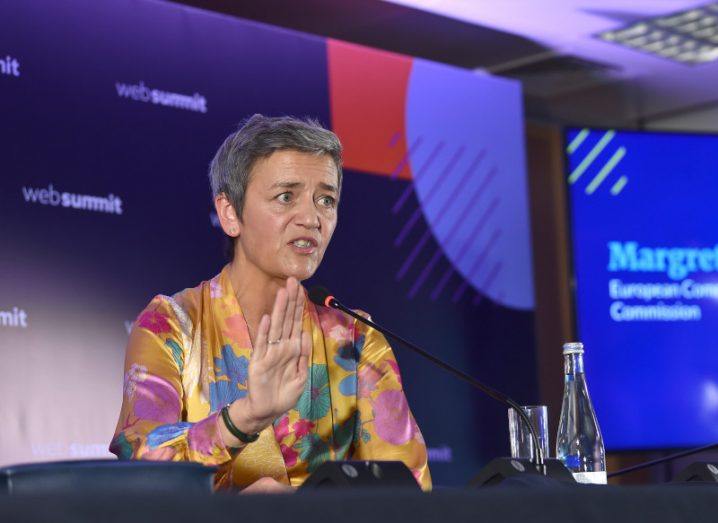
{"points": [[292, 287], [298, 311], [304, 355], [278, 312], [285, 325], [260, 344]]}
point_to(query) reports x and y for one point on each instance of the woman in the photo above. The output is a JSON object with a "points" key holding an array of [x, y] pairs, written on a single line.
{"points": [[243, 372]]}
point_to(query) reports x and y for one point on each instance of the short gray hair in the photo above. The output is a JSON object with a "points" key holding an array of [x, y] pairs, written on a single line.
{"points": [[258, 137]]}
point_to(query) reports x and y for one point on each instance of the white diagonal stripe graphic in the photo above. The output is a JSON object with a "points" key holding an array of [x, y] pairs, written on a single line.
{"points": [[606, 170], [576, 142], [591, 156]]}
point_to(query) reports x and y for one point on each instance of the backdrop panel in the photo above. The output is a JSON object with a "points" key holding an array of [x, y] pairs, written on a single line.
{"points": [[111, 113]]}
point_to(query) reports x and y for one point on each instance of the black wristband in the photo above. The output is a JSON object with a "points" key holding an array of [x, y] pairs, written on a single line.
{"points": [[232, 428]]}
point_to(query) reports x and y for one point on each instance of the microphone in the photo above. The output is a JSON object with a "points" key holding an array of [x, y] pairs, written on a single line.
{"points": [[321, 296]]}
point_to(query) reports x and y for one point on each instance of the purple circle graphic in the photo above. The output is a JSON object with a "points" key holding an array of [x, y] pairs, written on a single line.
{"points": [[467, 156]]}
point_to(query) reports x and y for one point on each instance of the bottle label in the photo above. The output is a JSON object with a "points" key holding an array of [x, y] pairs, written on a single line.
{"points": [[593, 478]]}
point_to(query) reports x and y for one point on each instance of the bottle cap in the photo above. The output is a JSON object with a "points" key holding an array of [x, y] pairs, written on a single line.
{"points": [[574, 347]]}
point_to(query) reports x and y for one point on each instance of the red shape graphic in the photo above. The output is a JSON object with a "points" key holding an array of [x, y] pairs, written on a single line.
{"points": [[367, 91]]}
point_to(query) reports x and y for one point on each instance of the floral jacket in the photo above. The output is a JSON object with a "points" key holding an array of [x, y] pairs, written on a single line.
{"points": [[188, 356]]}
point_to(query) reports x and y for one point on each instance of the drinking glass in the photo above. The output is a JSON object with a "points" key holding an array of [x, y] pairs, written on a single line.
{"points": [[522, 445]]}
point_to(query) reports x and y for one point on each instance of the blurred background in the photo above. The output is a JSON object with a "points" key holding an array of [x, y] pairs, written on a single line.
{"points": [[518, 174]]}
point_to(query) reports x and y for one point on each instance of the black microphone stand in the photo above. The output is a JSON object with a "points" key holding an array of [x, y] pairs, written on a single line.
{"points": [[538, 457], [664, 459]]}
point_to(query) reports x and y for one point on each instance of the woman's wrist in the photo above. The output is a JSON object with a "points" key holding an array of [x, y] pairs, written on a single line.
{"points": [[241, 415]]}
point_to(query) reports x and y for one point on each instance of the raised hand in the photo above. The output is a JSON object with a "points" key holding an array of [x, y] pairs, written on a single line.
{"points": [[278, 367]]}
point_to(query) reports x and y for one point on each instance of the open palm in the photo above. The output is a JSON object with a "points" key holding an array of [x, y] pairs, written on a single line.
{"points": [[278, 367]]}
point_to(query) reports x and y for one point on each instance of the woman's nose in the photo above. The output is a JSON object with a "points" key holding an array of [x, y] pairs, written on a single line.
{"points": [[307, 214]]}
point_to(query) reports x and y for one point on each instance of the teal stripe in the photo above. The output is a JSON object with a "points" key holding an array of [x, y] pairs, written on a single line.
{"points": [[591, 156], [576, 142], [603, 173], [619, 185]]}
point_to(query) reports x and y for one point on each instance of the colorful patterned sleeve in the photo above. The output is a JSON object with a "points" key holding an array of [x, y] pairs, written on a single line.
{"points": [[151, 424], [386, 429]]}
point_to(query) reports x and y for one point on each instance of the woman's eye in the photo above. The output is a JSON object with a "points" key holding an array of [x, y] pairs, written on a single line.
{"points": [[327, 201], [285, 197]]}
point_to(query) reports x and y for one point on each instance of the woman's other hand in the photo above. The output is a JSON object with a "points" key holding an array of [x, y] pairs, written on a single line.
{"points": [[268, 486]]}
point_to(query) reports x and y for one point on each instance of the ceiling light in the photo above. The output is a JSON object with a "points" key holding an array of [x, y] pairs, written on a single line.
{"points": [[688, 37]]}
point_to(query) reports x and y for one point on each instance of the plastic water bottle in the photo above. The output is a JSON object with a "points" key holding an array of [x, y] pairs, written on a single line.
{"points": [[579, 444]]}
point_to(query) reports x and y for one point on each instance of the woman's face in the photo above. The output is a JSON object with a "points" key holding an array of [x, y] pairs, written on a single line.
{"points": [[289, 215]]}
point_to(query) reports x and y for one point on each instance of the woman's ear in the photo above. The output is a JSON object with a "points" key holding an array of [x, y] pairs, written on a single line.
{"points": [[231, 224]]}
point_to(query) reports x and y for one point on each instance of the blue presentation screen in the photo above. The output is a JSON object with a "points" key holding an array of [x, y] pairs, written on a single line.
{"points": [[644, 219]]}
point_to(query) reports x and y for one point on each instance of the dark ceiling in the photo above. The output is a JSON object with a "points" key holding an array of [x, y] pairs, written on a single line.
{"points": [[386, 26], [557, 87]]}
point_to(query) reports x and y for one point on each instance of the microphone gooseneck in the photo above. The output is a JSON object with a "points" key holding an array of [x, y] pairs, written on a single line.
{"points": [[664, 459], [322, 297]]}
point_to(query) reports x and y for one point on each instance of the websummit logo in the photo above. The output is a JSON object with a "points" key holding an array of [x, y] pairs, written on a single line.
{"points": [[141, 93], [10, 66], [13, 318], [108, 204]]}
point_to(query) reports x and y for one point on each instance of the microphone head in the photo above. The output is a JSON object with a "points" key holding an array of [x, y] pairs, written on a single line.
{"points": [[320, 296]]}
